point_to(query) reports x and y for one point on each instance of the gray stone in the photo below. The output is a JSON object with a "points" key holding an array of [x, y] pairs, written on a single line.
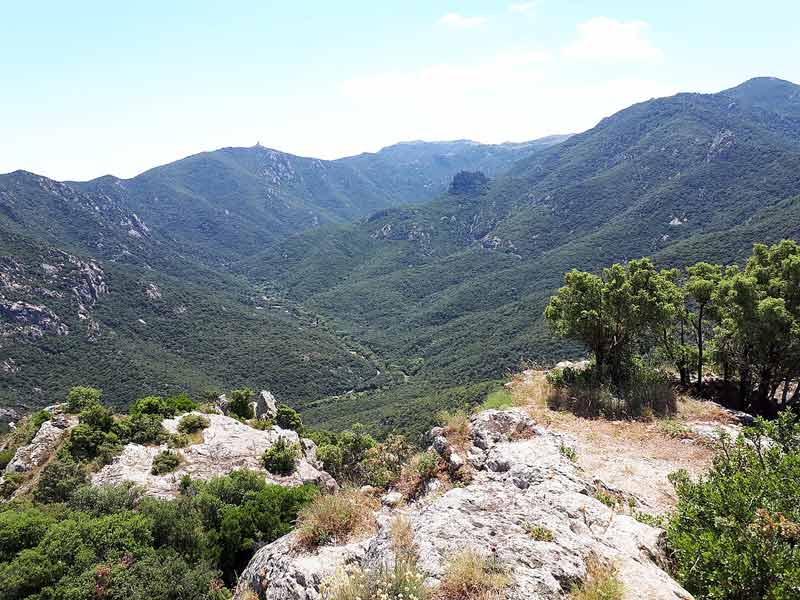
{"points": [[44, 443], [392, 499], [441, 445], [491, 514], [266, 406], [227, 445], [455, 462]]}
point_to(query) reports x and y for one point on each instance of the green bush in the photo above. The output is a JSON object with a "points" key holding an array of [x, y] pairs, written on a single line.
{"points": [[179, 440], [288, 418], [81, 397], [166, 407], [736, 531], [98, 417], [6, 456], [141, 429], [383, 463], [193, 423], [59, 481], [281, 458], [332, 459], [240, 403], [165, 462], [498, 399]]}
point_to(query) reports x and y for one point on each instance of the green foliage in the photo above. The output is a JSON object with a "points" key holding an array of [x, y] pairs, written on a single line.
{"points": [[736, 530], [332, 458], [166, 407], [288, 418], [281, 458], [498, 399], [383, 463], [6, 456], [240, 403], [141, 429], [179, 440], [165, 462], [538, 533], [192, 423], [59, 480], [79, 398], [112, 541], [97, 416]]}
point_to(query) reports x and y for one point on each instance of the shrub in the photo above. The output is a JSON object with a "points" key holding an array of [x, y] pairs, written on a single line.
{"points": [[6, 456], [471, 576], [334, 519], [98, 500], [59, 481], [240, 404], [193, 423], [456, 427], [85, 442], [97, 417], [80, 397], [150, 405], [423, 467], [601, 583], [179, 440], [165, 462], [568, 452], [281, 458], [736, 531], [141, 429], [538, 533], [288, 418], [401, 581], [384, 462], [332, 459]]}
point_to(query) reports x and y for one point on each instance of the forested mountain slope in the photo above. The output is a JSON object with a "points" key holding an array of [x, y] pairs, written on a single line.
{"points": [[460, 284]]}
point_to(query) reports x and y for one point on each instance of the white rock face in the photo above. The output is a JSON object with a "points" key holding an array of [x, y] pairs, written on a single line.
{"points": [[227, 445], [536, 486], [35, 454]]}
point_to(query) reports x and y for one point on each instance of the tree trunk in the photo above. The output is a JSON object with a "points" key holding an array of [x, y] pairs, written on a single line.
{"points": [[744, 387], [763, 403], [700, 350]]}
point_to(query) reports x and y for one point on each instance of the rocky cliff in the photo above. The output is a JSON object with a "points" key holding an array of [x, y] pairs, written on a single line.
{"points": [[521, 482]]}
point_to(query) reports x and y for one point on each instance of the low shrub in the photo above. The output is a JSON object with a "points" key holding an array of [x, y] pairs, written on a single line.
{"points": [[383, 463], [422, 467], [59, 481], [240, 403], [288, 418], [281, 458], [538, 533], [736, 530], [193, 423], [401, 581], [568, 452], [179, 440], [333, 519], [165, 462], [471, 576], [6, 456]]}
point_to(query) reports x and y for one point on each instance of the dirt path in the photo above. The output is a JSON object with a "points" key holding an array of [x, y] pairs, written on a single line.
{"points": [[633, 456]]}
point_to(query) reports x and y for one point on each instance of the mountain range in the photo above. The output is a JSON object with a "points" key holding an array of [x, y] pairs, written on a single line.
{"points": [[371, 287]]}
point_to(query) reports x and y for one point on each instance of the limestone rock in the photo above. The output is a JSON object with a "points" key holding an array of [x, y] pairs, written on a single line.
{"points": [[227, 445], [266, 406], [44, 443], [492, 515]]}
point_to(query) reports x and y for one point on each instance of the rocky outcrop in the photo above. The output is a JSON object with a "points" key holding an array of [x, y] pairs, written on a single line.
{"points": [[226, 445], [33, 319], [523, 481], [266, 407], [41, 448]]}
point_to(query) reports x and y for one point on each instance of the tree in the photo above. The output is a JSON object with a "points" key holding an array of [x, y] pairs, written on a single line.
{"points": [[288, 418], [616, 314], [81, 397], [759, 327], [700, 287]]}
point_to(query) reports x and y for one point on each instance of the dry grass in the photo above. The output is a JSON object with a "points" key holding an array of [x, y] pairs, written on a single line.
{"points": [[402, 537], [456, 428], [471, 576], [336, 519], [401, 581], [601, 583], [423, 467]]}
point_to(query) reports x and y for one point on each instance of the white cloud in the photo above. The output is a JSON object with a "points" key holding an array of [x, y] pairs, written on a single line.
{"points": [[457, 21], [523, 7], [604, 39], [510, 96]]}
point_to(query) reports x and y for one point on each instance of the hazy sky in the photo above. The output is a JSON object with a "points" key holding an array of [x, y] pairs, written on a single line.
{"points": [[93, 87]]}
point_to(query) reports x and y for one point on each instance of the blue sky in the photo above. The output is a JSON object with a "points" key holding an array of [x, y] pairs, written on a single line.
{"points": [[109, 87]]}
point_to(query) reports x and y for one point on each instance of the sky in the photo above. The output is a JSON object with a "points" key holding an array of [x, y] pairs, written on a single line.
{"points": [[104, 87]]}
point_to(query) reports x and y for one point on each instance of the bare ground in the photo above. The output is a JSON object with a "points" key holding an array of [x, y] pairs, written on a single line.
{"points": [[633, 456]]}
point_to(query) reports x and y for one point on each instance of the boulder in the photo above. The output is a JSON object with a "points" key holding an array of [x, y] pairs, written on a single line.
{"points": [[266, 406], [227, 445], [537, 486], [41, 448]]}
